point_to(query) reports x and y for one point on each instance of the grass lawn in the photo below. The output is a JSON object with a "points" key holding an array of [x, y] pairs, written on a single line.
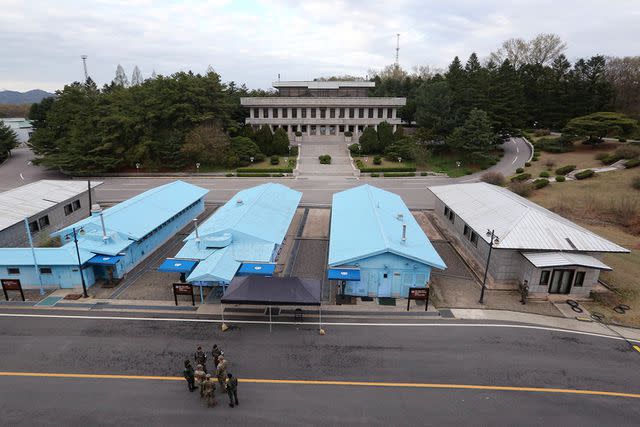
{"points": [[211, 168], [600, 204], [368, 162], [266, 164], [584, 156]]}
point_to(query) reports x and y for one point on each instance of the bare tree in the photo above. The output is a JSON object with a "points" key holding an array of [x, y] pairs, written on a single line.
{"points": [[624, 75], [153, 74], [542, 49], [515, 50], [136, 76], [121, 77]]}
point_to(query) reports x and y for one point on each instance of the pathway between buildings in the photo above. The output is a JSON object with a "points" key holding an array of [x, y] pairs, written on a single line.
{"points": [[311, 149]]}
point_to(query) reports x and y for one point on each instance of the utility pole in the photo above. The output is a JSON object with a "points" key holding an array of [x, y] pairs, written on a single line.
{"points": [[397, 48], [84, 64]]}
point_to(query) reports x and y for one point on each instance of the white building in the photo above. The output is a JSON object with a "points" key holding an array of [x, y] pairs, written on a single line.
{"points": [[531, 244], [21, 127], [322, 109]]}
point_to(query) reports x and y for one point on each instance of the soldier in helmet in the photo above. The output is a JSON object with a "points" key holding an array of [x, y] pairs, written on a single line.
{"points": [[221, 372], [201, 358], [199, 376], [209, 387], [189, 375], [232, 389], [216, 353]]}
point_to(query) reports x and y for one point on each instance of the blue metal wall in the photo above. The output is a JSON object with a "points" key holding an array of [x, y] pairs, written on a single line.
{"points": [[401, 274], [62, 276]]}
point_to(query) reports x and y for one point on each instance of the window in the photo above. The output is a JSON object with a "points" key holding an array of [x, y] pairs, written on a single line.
{"points": [[285, 113], [313, 113], [332, 113], [323, 113], [13, 270], [76, 205], [45, 270], [303, 113], [294, 113], [265, 113], [303, 128], [579, 279], [474, 239], [274, 111], [341, 113], [379, 113], [446, 211], [352, 113], [544, 277], [370, 115], [389, 111], [256, 113], [33, 227], [43, 222], [467, 230], [361, 113], [341, 128], [451, 216], [68, 210]]}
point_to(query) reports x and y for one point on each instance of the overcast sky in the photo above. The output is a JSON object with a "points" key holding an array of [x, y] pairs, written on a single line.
{"points": [[252, 41]]}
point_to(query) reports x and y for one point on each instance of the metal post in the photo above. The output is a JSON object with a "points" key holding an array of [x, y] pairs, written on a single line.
{"points": [[269, 318], [89, 187], [84, 285], [33, 252], [486, 269]]}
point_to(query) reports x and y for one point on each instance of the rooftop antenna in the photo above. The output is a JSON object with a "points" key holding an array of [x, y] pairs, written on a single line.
{"points": [[278, 76], [397, 48], [84, 64]]}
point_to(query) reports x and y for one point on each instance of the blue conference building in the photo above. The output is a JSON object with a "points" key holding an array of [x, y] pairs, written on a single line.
{"points": [[376, 246], [109, 243], [242, 237]]}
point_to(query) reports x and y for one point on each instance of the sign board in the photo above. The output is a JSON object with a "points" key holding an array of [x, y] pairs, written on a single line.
{"points": [[11, 285], [183, 289], [421, 293]]}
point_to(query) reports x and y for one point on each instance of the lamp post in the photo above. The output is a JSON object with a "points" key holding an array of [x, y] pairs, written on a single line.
{"points": [[198, 167], [138, 167], [492, 238], [75, 240], [251, 159], [399, 159]]}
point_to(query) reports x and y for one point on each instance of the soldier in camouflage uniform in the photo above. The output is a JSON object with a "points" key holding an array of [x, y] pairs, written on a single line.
{"points": [[209, 387], [201, 358], [216, 353], [221, 372], [199, 376]]}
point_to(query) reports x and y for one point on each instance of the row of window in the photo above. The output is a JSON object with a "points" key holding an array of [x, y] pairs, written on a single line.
{"points": [[471, 235], [13, 271], [71, 207], [318, 129], [545, 277], [322, 113], [39, 224]]}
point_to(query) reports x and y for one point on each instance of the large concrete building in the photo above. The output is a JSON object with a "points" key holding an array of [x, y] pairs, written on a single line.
{"points": [[322, 109], [531, 244]]}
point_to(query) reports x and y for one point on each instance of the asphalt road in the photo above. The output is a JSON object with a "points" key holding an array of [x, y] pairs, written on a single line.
{"points": [[442, 355], [317, 190]]}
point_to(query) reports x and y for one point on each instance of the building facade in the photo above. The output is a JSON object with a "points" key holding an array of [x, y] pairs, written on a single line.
{"points": [[48, 205], [22, 127], [322, 109], [532, 245]]}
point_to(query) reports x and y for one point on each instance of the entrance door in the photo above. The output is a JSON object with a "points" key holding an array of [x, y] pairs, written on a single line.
{"points": [[561, 281], [323, 130], [384, 288]]}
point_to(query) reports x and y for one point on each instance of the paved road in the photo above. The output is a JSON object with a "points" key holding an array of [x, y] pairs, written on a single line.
{"points": [[317, 190], [443, 355]]}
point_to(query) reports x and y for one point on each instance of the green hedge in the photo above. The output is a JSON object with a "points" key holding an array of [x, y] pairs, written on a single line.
{"points": [[250, 175], [561, 178], [585, 174], [375, 175], [519, 170], [544, 174], [398, 174], [610, 159], [565, 169], [388, 169], [264, 170], [539, 183], [632, 163], [522, 177]]}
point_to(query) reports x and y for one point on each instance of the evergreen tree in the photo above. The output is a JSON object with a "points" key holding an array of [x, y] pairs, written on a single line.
{"points": [[507, 99], [433, 107], [8, 141], [280, 142], [209, 144], [245, 149], [475, 138], [264, 139], [369, 143], [385, 136]]}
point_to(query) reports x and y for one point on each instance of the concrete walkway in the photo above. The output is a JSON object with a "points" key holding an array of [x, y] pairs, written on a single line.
{"points": [[310, 165]]}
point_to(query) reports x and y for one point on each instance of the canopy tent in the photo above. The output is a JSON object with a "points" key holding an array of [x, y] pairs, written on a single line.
{"points": [[171, 265], [270, 291], [344, 274], [258, 269], [104, 260]]}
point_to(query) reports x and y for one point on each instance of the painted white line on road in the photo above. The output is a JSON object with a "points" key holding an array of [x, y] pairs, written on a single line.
{"points": [[21, 176], [517, 149], [262, 322], [514, 159]]}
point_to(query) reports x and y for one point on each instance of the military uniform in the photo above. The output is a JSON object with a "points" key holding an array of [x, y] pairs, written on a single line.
{"points": [[201, 359], [189, 375], [232, 390], [209, 387], [199, 376], [221, 373], [216, 353]]}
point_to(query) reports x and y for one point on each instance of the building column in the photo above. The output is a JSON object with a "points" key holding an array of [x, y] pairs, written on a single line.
{"points": [[394, 112], [384, 114], [376, 127], [394, 128]]}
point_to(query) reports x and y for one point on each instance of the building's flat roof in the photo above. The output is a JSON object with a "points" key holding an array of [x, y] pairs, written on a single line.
{"points": [[31, 199], [45, 257], [322, 84], [247, 228], [518, 222], [338, 101], [561, 259], [367, 221]]}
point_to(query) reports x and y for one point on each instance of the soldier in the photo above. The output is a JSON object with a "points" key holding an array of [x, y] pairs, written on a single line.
{"points": [[216, 353], [201, 358], [199, 376], [209, 388], [221, 372], [189, 375], [232, 389]]}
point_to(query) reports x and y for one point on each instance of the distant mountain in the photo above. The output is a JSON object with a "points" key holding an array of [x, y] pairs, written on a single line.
{"points": [[29, 97]]}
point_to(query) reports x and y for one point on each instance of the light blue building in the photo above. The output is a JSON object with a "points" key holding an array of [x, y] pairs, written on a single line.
{"points": [[376, 246], [244, 236], [110, 242]]}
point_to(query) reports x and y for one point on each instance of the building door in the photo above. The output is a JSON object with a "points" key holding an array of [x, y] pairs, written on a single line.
{"points": [[323, 130], [384, 288], [561, 281]]}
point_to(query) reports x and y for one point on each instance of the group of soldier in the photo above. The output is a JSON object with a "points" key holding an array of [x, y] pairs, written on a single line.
{"points": [[200, 377]]}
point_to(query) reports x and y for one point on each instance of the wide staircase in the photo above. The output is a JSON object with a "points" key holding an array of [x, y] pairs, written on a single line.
{"points": [[311, 148]]}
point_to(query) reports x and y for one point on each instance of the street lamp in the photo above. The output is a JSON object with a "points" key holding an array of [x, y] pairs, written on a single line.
{"points": [[399, 159], [251, 158], [75, 240], [198, 167], [493, 240], [137, 167]]}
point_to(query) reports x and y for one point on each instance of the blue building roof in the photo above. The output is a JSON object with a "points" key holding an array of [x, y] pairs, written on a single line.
{"points": [[66, 255], [248, 228], [367, 221], [134, 218]]}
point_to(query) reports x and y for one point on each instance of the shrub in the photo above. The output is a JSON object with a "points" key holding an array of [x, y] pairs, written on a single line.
{"points": [[325, 159], [375, 175], [540, 183], [632, 163], [354, 149], [561, 178], [629, 152], [228, 175], [293, 151], [291, 163], [348, 134], [601, 156], [635, 183], [398, 174], [386, 169], [610, 159], [274, 160], [495, 178], [622, 139], [585, 174], [521, 177], [523, 189], [264, 170], [565, 169], [377, 160], [468, 171], [251, 175], [298, 133], [519, 170], [544, 174], [424, 173], [278, 175], [527, 164], [534, 159], [541, 132]]}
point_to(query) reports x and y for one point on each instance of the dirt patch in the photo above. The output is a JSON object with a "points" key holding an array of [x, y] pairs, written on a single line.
{"points": [[426, 225], [317, 225]]}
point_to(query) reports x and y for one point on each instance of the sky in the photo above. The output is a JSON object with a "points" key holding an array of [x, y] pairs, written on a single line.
{"points": [[255, 40]]}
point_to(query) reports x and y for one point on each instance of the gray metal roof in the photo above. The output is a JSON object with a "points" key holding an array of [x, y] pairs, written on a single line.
{"points": [[518, 222], [31, 199], [323, 84], [559, 259]]}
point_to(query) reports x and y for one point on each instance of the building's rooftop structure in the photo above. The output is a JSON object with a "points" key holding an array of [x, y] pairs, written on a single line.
{"points": [[248, 228], [334, 84], [367, 221], [31, 199], [65, 255], [135, 218], [518, 222]]}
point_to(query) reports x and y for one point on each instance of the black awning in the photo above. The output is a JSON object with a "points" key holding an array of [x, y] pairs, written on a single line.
{"points": [[260, 290]]}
